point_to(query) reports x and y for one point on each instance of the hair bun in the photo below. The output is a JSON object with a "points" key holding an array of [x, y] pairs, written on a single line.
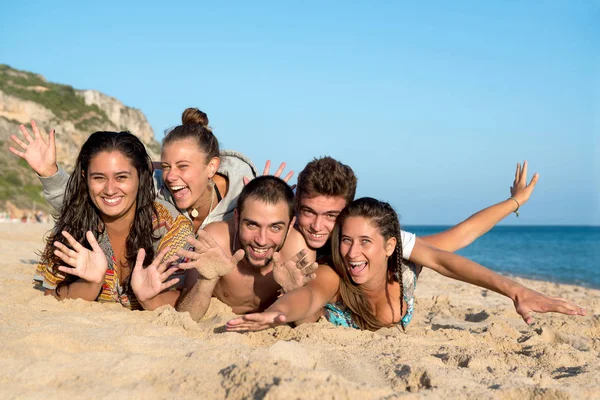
{"points": [[194, 116]]}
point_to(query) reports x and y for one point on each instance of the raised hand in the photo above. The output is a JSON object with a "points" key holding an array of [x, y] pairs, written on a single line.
{"points": [[256, 322], [528, 301], [39, 154], [520, 189], [295, 272], [267, 171], [149, 282], [208, 257], [89, 265]]}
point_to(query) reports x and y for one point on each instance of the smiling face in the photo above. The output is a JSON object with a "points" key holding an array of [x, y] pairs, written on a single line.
{"points": [[113, 184], [364, 250], [316, 218], [186, 172], [261, 230]]}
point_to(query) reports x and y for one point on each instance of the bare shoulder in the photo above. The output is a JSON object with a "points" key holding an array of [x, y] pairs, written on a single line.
{"points": [[221, 232], [293, 244]]}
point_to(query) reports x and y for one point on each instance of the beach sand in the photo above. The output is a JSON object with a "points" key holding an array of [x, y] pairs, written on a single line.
{"points": [[464, 342]]}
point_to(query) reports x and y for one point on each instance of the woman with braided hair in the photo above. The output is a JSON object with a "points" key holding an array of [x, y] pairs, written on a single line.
{"points": [[371, 286]]}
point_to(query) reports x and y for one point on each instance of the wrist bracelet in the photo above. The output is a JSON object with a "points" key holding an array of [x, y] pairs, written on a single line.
{"points": [[518, 205]]}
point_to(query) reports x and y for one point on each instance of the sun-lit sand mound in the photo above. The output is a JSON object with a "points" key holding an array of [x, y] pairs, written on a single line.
{"points": [[464, 342]]}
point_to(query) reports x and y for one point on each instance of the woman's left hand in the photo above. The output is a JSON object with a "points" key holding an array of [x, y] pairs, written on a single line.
{"points": [[520, 189], [149, 282], [256, 322], [528, 301]]}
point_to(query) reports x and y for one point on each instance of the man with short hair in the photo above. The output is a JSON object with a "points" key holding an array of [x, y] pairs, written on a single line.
{"points": [[237, 261]]}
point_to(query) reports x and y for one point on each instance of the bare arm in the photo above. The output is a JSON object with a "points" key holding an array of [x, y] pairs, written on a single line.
{"points": [[208, 263], [196, 299], [460, 268], [296, 305], [80, 289], [469, 230]]}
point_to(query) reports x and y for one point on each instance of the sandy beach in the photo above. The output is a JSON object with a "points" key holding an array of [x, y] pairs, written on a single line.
{"points": [[464, 342]]}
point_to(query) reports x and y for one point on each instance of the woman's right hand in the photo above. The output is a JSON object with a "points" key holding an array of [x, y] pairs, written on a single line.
{"points": [[256, 322], [520, 190], [40, 156], [89, 265]]}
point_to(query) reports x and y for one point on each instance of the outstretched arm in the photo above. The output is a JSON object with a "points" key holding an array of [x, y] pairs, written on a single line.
{"points": [[466, 232], [296, 305], [525, 300]]}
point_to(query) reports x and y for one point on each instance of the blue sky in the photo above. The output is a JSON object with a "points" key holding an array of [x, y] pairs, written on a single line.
{"points": [[432, 105]]}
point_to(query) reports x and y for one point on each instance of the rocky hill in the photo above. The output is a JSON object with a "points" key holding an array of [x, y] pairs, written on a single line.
{"points": [[75, 114]]}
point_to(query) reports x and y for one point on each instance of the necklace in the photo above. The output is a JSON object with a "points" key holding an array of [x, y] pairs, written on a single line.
{"points": [[194, 212]]}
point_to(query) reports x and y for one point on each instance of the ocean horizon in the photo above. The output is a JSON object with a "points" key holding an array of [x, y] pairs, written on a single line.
{"points": [[556, 253]]}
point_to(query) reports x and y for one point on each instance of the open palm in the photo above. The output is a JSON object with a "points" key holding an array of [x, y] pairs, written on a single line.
{"points": [[208, 257], [149, 282], [39, 154], [89, 265], [295, 272]]}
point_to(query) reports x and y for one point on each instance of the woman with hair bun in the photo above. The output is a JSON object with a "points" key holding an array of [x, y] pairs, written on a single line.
{"points": [[199, 178]]}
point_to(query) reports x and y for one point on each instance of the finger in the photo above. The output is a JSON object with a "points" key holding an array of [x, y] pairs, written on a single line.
{"points": [[16, 152], [267, 167], [158, 260], [187, 265], [302, 263], [19, 142], [288, 176], [34, 128], [309, 278], [26, 132], [526, 315], [69, 260], [92, 241], [246, 180], [167, 274], [238, 256], [310, 268], [139, 259], [299, 255], [200, 243], [517, 173], [169, 284], [207, 239], [64, 249], [523, 176], [279, 170], [70, 271], [236, 321], [190, 255], [534, 180], [276, 259], [51, 141]]}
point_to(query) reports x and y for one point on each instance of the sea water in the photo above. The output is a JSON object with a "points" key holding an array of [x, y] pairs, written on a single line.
{"points": [[563, 254]]}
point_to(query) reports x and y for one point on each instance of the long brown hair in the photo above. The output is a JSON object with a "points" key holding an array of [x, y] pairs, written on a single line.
{"points": [[78, 213], [382, 216]]}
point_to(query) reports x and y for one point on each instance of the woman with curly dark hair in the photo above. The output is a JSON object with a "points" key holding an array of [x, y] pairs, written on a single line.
{"points": [[113, 241]]}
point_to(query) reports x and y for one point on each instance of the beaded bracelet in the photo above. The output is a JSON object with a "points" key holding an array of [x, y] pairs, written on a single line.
{"points": [[518, 205]]}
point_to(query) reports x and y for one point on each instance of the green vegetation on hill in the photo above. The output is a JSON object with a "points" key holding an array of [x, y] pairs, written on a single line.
{"points": [[62, 100]]}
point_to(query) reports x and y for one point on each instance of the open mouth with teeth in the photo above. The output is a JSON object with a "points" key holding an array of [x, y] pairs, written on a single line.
{"points": [[259, 252], [356, 267], [112, 201], [179, 191]]}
